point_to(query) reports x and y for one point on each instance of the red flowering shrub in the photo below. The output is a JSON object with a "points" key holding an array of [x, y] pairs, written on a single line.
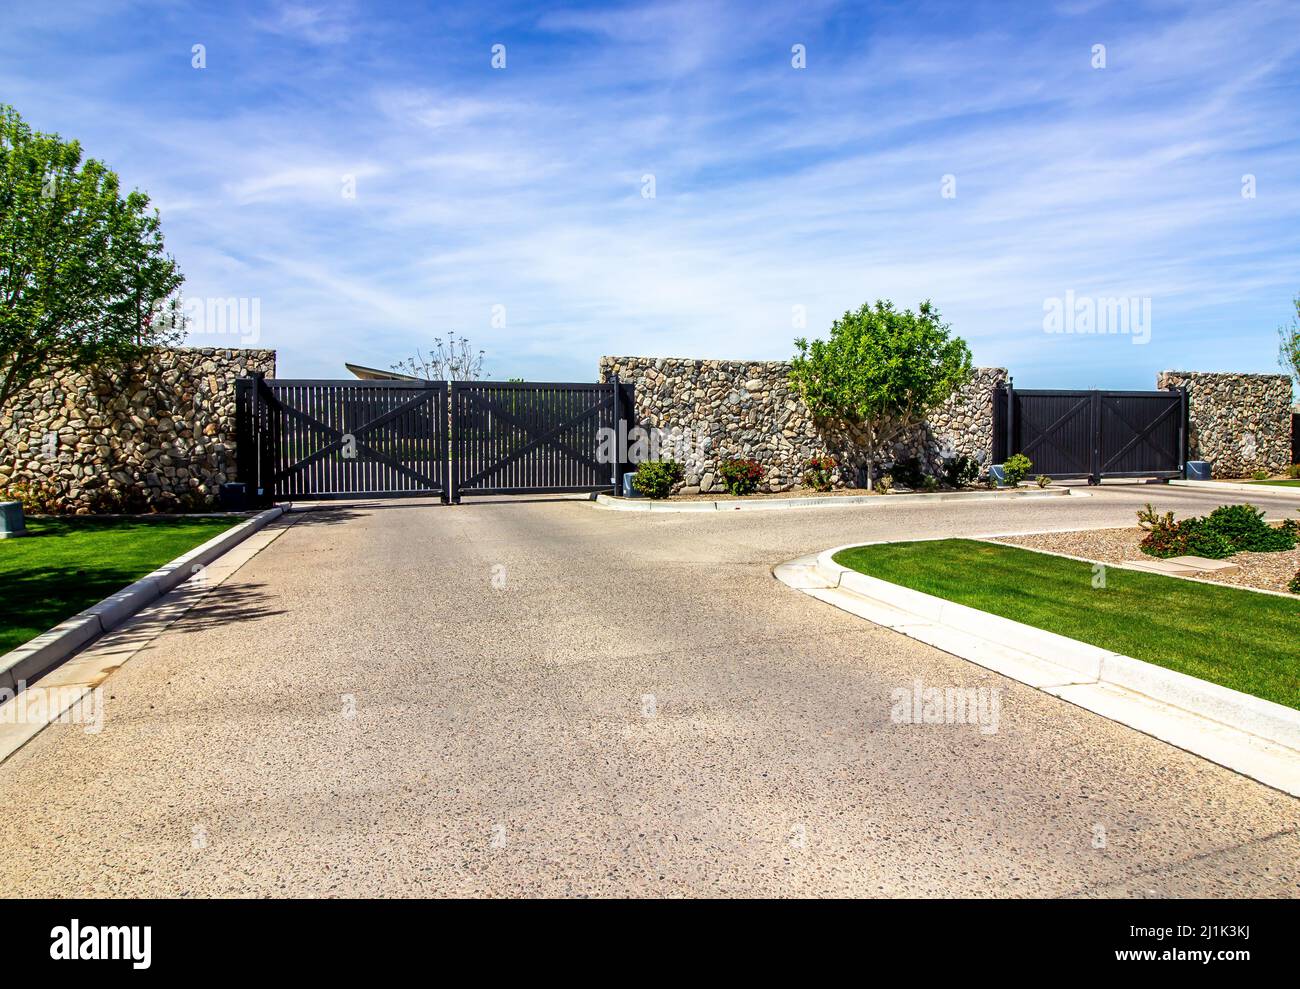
{"points": [[817, 472], [742, 477]]}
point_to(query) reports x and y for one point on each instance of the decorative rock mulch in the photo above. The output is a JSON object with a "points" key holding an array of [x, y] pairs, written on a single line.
{"points": [[1268, 571]]}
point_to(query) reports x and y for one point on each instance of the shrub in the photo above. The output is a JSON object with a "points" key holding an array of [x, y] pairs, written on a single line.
{"points": [[1294, 586], [908, 473], [882, 371], [930, 483], [1226, 530], [742, 476], [655, 478], [1199, 539], [1293, 472], [1016, 469], [817, 472], [1190, 537], [961, 471], [1043, 480], [1244, 527], [1261, 475], [36, 497], [885, 483]]}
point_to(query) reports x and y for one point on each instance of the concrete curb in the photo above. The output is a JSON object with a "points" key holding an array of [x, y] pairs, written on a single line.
{"points": [[49, 649], [1260, 490], [838, 501], [1247, 734]]}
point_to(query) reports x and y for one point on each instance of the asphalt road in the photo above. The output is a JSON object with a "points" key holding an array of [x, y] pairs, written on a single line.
{"points": [[541, 697]]}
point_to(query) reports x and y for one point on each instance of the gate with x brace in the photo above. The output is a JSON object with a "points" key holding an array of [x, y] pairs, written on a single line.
{"points": [[312, 439]]}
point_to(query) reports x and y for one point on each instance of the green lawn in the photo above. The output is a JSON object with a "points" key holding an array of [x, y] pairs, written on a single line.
{"points": [[1237, 638], [1284, 483], [66, 565]]}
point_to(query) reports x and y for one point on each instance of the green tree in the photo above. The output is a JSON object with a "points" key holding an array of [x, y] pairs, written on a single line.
{"points": [[1288, 354], [881, 372], [84, 277]]}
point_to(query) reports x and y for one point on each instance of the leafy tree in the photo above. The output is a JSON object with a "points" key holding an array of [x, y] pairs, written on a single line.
{"points": [[881, 372], [1288, 355], [84, 277], [451, 359]]}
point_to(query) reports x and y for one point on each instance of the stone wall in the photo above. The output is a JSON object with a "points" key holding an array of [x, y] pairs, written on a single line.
{"points": [[737, 409], [159, 436], [1239, 422]]}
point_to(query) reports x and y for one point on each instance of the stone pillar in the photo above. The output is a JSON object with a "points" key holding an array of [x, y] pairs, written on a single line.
{"points": [[1241, 423]]}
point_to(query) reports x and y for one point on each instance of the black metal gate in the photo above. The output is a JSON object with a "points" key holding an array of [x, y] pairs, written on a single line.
{"points": [[531, 437], [342, 439], [1094, 434], [347, 439]]}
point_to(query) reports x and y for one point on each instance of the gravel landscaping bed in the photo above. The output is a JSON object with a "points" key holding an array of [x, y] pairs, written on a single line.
{"points": [[760, 495], [833, 493], [1267, 571]]}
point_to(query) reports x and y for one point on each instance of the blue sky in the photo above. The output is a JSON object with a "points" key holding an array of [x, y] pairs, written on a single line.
{"points": [[777, 190]]}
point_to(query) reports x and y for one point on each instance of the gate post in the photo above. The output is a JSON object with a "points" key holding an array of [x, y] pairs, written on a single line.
{"points": [[453, 465], [616, 477], [259, 435], [1011, 421], [1095, 477], [1183, 435], [442, 412], [245, 443]]}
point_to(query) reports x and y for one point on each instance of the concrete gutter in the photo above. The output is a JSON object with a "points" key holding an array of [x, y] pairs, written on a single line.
{"points": [[37, 657], [829, 501], [1271, 490], [1247, 734]]}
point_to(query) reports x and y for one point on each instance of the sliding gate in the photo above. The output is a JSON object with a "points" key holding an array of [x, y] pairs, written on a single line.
{"points": [[534, 437], [1093, 434], [383, 439], [342, 439]]}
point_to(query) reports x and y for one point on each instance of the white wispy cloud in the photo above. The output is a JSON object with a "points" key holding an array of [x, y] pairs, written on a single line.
{"points": [[775, 187]]}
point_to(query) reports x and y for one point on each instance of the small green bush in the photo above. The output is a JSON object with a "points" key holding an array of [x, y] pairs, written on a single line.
{"points": [[1293, 472], [1244, 527], [655, 478], [1226, 530], [929, 483], [817, 472], [1043, 480], [1261, 475], [742, 477], [1294, 586], [961, 471], [1190, 537], [885, 483], [37, 497], [909, 473], [1016, 469]]}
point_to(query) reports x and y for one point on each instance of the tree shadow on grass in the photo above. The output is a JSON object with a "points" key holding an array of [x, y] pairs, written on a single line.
{"points": [[37, 600], [54, 527]]}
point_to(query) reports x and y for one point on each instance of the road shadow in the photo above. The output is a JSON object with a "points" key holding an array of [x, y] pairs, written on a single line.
{"points": [[226, 604]]}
